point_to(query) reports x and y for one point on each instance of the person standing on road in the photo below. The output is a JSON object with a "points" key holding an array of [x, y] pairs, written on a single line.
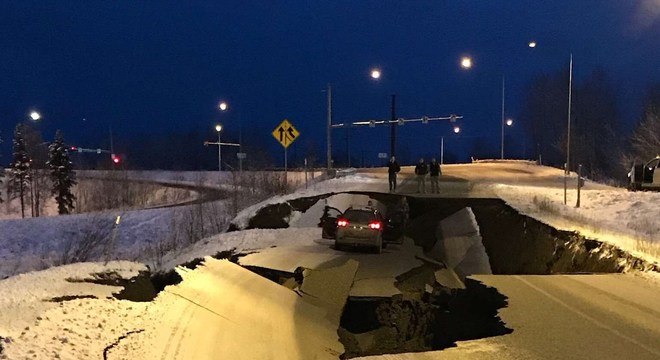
{"points": [[392, 169], [434, 173], [421, 170]]}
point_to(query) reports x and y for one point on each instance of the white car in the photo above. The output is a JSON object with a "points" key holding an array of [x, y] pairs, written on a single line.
{"points": [[360, 227]]}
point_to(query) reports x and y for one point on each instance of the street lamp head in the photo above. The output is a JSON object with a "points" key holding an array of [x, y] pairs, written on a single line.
{"points": [[218, 128], [223, 106], [457, 129], [466, 62], [532, 44], [35, 116], [375, 74], [509, 122]]}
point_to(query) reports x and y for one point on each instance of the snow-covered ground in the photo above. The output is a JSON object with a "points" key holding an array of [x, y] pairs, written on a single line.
{"points": [[141, 235], [206, 178]]}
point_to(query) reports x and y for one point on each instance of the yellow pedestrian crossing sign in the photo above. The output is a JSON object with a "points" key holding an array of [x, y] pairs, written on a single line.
{"points": [[285, 133]]}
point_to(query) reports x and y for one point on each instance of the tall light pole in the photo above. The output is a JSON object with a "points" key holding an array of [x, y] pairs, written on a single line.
{"points": [[329, 130], [218, 129], [502, 122], [376, 74], [456, 130], [568, 130], [34, 116], [223, 106]]}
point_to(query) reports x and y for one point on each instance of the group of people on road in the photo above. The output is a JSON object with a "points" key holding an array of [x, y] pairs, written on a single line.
{"points": [[434, 172], [421, 170]]}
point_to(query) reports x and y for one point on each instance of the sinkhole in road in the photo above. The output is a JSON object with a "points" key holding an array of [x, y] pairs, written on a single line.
{"points": [[412, 323], [515, 243]]}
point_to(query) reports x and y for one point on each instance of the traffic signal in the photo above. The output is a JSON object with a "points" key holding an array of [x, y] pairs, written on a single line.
{"points": [[115, 159]]}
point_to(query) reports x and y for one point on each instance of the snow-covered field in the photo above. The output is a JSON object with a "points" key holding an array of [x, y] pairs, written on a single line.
{"points": [[141, 235]]}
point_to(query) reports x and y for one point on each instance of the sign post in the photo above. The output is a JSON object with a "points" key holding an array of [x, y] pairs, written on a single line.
{"points": [[285, 134]]}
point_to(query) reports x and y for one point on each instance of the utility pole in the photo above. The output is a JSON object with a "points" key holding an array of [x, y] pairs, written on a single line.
{"points": [[442, 150], [348, 145], [240, 143], [502, 122], [567, 168], [393, 128], [329, 130], [219, 152], [568, 133]]}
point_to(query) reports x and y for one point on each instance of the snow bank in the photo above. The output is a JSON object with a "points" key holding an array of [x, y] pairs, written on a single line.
{"points": [[26, 296]]}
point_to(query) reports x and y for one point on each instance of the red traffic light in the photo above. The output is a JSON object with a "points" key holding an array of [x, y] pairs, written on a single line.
{"points": [[115, 159]]}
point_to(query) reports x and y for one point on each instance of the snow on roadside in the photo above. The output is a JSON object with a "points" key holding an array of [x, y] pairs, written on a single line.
{"points": [[20, 304], [628, 220]]}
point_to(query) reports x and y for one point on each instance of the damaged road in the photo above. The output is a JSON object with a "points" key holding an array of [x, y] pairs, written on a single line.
{"points": [[433, 296]]}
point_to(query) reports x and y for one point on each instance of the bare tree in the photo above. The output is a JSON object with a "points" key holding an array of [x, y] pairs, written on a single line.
{"points": [[645, 139], [595, 122]]}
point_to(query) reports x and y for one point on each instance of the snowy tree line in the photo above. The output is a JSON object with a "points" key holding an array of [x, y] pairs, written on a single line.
{"points": [[37, 172]]}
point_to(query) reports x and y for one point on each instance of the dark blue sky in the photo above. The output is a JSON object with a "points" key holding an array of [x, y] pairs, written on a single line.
{"points": [[158, 67]]}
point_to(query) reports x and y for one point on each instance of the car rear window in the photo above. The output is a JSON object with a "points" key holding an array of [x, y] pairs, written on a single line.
{"points": [[359, 216]]}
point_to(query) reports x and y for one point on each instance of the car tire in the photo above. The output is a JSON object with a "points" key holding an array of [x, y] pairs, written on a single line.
{"points": [[338, 246]]}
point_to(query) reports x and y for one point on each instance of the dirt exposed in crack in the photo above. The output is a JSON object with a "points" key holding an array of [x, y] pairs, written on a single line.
{"points": [[107, 349], [518, 244], [71, 298], [416, 322], [138, 288]]}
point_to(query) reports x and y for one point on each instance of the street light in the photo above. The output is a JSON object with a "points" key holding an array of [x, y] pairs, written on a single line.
{"points": [[218, 129], [375, 74], [466, 62], [456, 130], [532, 44], [223, 106], [509, 122], [35, 116]]}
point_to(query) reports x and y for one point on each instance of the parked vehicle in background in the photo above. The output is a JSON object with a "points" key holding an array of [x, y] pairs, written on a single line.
{"points": [[645, 176], [360, 227]]}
